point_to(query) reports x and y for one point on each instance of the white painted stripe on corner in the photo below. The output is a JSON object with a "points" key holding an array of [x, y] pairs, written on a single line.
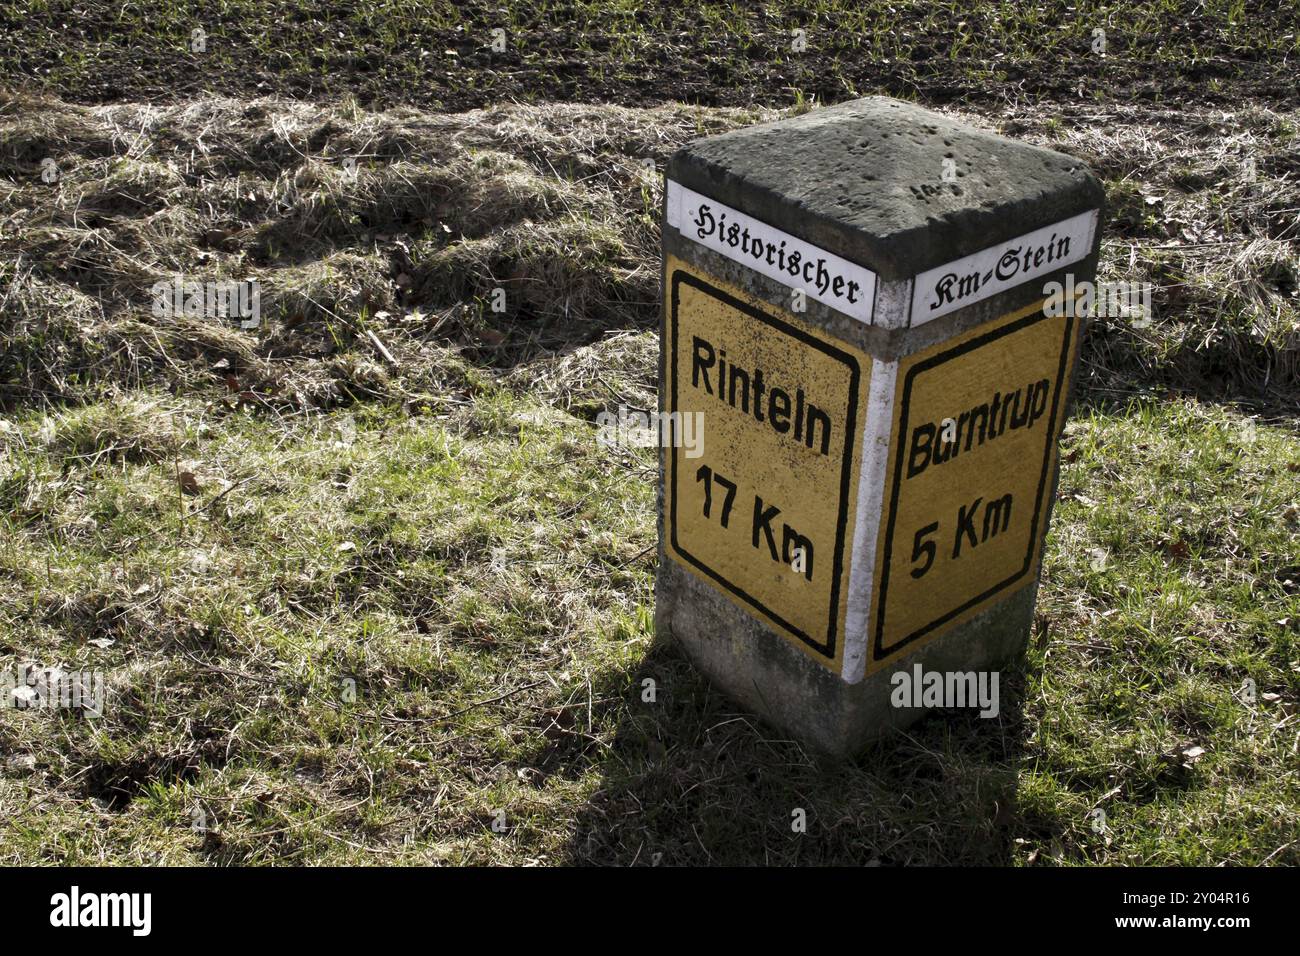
{"points": [[674, 203], [871, 492], [893, 304], [957, 284], [835, 282]]}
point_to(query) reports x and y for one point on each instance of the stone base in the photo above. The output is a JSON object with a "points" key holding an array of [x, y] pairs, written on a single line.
{"points": [[768, 675]]}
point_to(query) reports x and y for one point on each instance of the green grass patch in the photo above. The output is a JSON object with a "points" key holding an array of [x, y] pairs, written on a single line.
{"points": [[365, 636]]}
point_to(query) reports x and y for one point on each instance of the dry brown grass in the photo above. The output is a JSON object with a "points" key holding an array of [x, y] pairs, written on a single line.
{"points": [[1204, 205], [555, 206]]}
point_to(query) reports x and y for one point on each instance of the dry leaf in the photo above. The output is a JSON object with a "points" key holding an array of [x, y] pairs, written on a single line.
{"points": [[1185, 755]]}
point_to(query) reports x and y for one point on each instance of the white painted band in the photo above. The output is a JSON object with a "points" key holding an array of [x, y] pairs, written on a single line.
{"points": [[870, 491], [821, 275], [959, 283]]}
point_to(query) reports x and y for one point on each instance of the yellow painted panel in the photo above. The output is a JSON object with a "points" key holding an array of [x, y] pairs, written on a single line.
{"points": [[776, 479], [976, 422]]}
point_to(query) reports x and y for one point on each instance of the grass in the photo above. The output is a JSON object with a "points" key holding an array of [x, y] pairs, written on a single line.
{"points": [[351, 609], [440, 54], [555, 208], [368, 633]]}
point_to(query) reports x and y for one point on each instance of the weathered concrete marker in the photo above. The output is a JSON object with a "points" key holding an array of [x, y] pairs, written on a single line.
{"points": [[854, 299]]}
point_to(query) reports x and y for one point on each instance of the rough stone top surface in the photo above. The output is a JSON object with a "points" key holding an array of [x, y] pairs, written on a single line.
{"points": [[864, 180]]}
